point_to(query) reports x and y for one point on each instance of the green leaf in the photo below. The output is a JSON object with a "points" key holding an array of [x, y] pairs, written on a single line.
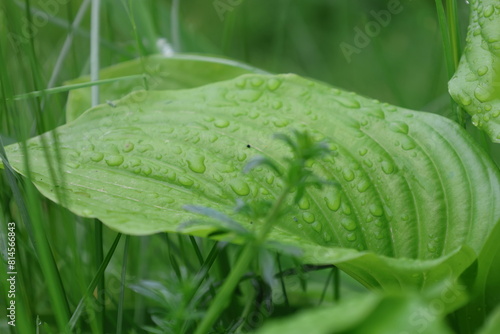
{"points": [[366, 314], [176, 72], [476, 84], [414, 201]]}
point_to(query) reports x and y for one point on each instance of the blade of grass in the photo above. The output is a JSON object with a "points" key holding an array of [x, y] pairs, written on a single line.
{"points": [[40, 241], [68, 42], [121, 300], [67, 88], [174, 25], [78, 31], [100, 272], [140, 46], [336, 284], [449, 27], [94, 76], [94, 49], [282, 280], [454, 30], [325, 288], [99, 257]]}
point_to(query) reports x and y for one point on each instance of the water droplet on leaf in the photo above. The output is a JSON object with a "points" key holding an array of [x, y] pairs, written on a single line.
{"points": [[308, 217], [114, 160], [197, 164]]}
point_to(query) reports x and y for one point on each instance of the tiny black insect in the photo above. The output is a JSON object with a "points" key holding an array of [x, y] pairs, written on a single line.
{"points": [[248, 145]]}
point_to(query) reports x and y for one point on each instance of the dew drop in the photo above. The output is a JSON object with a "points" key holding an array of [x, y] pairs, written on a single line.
{"points": [[185, 181], [387, 167], [376, 210], [241, 156], [408, 144], [351, 237], [362, 152], [333, 202], [128, 147], [241, 83], [281, 123], [348, 224], [482, 70], [482, 94], [488, 10], [240, 188], [134, 162], [73, 165], [213, 138], [346, 209], [475, 120], [277, 105], [250, 95], [146, 170], [304, 203], [253, 115], [171, 176], [348, 102], [400, 127], [96, 157], [221, 123], [308, 217], [114, 160], [348, 174], [168, 201], [363, 186], [197, 164], [257, 82], [273, 84], [317, 227], [377, 112], [270, 179]]}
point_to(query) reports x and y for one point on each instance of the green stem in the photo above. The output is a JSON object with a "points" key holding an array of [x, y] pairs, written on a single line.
{"points": [[223, 296]]}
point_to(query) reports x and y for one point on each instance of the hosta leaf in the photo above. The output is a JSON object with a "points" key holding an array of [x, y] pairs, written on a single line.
{"points": [[476, 84], [413, 202], [177, 72], [366, 314]]}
